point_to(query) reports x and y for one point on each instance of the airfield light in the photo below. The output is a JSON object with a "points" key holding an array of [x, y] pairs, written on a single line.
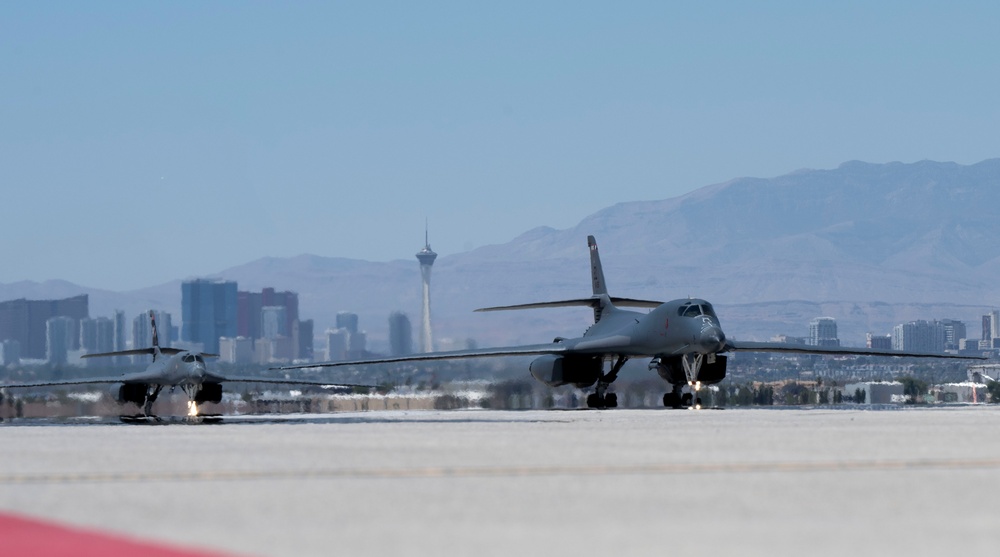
{"points": [[192, 408]]}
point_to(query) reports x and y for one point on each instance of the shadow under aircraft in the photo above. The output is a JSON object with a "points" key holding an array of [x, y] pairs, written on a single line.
{"points": [[683, 338], [171, 367]]}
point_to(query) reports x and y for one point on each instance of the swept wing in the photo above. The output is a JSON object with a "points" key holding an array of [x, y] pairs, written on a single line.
{"points": [[528, 350], [744, 346], [143, 377]]}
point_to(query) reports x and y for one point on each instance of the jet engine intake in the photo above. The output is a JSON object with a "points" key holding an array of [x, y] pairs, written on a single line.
{"points": [[209, 392], [131, 392], [582, 371]]}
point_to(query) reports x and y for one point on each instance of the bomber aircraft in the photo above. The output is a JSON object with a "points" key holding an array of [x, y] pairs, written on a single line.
{"points": [[171, 367], [683, 338]]}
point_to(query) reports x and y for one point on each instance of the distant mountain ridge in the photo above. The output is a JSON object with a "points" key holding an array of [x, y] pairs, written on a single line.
{"points": [[867, 243]]}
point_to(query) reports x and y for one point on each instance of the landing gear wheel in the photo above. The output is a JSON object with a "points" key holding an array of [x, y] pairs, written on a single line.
{"points": [[611, 400], [671, 400], [697, 402], [686, 399], [592, 401]]}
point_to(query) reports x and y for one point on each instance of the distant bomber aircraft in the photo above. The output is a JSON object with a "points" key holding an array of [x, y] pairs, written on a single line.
{"points": [[683, 338], [171, 367]]}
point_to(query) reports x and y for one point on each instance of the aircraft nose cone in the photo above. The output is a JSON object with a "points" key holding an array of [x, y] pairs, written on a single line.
{"points": [[712, 339]]}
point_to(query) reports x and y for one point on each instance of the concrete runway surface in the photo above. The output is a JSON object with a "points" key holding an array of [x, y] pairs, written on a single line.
{"points": [[629, 482]]}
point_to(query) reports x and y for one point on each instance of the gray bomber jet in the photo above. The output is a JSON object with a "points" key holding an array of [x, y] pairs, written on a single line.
{"points": [[171, 367], [683, 338]]}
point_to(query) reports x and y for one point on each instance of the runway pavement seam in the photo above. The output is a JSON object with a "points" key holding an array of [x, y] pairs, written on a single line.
{"points": [[503, 471]]}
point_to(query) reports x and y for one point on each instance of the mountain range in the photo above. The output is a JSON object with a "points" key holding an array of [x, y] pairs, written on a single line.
{"points": [[871, 245]]}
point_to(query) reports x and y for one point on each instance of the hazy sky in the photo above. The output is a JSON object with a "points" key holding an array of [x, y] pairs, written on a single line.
{"points": [[142, 142]]}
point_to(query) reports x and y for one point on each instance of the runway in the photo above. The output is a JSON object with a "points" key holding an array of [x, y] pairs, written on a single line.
{"points": [[631, 482]]}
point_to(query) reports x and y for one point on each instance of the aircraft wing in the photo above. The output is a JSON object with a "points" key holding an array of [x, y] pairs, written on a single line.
{"points": [[286, 381], [593, 301], [529, 350], [139, 379], [744, 346], [58, 382]]}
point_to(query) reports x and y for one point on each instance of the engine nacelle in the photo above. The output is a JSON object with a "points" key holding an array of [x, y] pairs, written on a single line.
{"points": [[672, 370], [131, 392], [209, 392], [582, 371]]}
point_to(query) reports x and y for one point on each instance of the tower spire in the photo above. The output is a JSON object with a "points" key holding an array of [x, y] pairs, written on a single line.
{"points": [[426, 258]]}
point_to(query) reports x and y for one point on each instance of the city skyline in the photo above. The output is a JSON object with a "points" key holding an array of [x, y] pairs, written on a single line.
{"points": [[64, 334]]}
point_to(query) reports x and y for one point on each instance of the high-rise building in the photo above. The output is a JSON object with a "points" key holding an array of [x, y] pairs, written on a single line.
{"points": [[991, 325], [249, 314], [879, 342], [356, 345], [400, 334], [10, 352], [96, 336], [919, 336], [274, 322], [347, 320], [120, 333], [426, 257], [58, 338], [209, 310], [121, 337], [954, 332], [823, 332], [336, 344], [303, 335], [25, 321], [237, 350]]}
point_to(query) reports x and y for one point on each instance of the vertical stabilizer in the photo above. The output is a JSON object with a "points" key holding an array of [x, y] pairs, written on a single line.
{"points": [[156, 336], [597, 278], [596, 271]]}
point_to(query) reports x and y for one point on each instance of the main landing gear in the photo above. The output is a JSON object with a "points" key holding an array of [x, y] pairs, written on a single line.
{"points": [[152, 391], [600, 398]]}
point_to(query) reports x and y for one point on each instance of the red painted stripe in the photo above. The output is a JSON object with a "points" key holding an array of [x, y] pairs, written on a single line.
{"points": [[36, 538]]}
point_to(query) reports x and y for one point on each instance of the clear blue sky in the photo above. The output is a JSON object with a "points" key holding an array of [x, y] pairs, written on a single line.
{"points": [[142, 142]]}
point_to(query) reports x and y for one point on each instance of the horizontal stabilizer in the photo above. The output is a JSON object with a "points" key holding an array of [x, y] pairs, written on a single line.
{"points": [[145, 351], [740, 346], [593, 301], [136, 352]]}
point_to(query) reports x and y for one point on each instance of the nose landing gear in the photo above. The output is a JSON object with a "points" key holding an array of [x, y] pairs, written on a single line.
{"points": [[691, 363]]}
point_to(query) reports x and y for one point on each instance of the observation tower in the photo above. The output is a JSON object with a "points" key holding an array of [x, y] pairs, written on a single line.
{"points": [[426, 257]]}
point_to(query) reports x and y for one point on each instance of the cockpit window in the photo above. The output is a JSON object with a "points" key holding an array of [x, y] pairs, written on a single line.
{"points": [[199, 359], [696, 310], [689, 310], [187, 358]]}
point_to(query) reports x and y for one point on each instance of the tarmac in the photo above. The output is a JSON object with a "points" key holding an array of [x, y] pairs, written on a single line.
{"points": [[818, 481]]}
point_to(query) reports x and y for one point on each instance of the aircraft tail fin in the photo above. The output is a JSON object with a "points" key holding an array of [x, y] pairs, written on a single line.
{"points": [[596, 270], [153, 350], [599, 301], [156, 336]]}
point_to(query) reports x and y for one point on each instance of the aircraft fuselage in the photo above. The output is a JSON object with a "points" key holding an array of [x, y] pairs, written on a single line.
{"points": [[672, 329]]}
